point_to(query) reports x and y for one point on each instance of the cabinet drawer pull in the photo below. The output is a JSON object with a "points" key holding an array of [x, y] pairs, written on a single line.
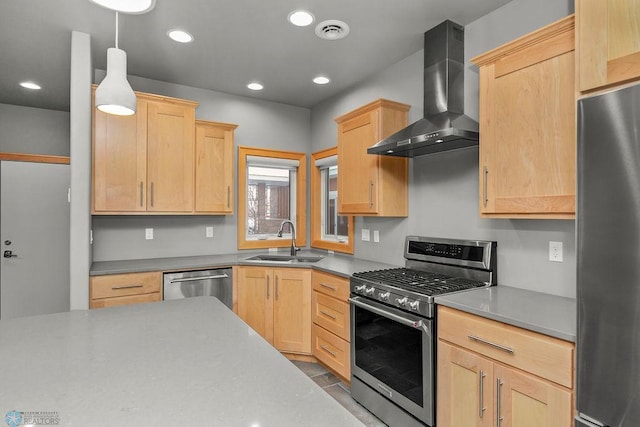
{"points": [[485, 172], [481, 407], [324, 285], [115, 288], [325, 348], [494, 345], [328, 314]]}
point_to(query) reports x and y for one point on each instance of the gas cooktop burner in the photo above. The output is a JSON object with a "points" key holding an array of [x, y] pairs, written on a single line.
{"points": [[419, 281]]}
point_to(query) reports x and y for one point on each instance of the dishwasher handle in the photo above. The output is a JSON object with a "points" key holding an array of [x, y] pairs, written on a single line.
{"points": [[195, 279]]}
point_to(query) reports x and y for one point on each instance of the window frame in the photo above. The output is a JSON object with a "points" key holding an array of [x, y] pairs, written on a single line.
{"points": [[316, 209], [300, 195]]}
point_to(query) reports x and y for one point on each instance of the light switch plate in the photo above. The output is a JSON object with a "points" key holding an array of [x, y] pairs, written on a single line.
{"points": [[148, 233], [366, 236], [209, 231], [376, 236]]}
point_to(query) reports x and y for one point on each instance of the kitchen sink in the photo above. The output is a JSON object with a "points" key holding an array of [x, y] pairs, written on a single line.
{"points": [[285, 259]]}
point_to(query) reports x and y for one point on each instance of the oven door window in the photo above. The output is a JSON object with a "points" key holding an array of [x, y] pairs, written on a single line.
{"points": [[391, 352]]}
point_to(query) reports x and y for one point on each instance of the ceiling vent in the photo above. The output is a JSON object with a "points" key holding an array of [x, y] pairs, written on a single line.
{"points": [[332, 30]]}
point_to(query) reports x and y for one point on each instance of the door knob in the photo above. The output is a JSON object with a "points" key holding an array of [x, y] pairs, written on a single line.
{"points": [[9, 254]]}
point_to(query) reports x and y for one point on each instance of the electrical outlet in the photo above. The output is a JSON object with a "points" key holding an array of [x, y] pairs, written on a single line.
{"points": [[209, 231], [376, 236], [148, 233], [366, 236], [555, 251]]}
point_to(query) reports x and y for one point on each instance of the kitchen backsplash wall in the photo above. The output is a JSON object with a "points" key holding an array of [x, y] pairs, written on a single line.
{"points": [[443, 193], [34, 130], [260, 124]]}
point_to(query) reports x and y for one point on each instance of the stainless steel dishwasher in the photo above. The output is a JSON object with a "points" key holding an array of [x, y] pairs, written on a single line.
{"points": [[186, 284]]}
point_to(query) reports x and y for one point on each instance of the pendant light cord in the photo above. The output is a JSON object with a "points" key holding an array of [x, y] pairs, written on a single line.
{"points": [[116, 29]]}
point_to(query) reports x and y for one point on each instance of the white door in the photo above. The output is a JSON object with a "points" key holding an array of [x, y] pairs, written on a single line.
{"points": [[34, 238]]}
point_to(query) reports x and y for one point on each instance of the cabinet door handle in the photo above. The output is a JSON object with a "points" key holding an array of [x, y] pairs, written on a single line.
{"points": [[276, 287], [141, 193], [328, 314], [267, 287], [228, 196], [485, 172], [370, 193], [152, 194], [324, 285], [489, 343], [325, 348], [498, 387], [481, 407], [115, 288]]}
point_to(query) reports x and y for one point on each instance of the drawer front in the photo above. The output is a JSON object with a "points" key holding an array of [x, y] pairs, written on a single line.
{"points": [[119, 285], [328, 284], [539, 354], [131, 299], [331, 314], [332, 351]]}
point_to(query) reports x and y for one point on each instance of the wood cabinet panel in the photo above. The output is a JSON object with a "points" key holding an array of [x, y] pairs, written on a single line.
{"points": [[332, 351], [170, 141], [255, 300], [331, 314], [328, 284], [214, 167], [608, 42], [123, 289], [527, 126], [370, 184]]}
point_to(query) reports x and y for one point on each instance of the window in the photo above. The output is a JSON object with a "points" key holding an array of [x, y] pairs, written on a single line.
{"points": [[329, 229], [271, 186]]}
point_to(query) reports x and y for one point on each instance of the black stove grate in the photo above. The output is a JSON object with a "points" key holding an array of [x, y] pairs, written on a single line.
{"points": [[423, 282]]}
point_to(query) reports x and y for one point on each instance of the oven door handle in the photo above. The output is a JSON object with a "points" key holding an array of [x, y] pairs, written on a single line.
{"points": [[414, 323]]}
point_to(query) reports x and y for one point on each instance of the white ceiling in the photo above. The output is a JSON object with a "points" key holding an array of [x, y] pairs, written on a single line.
{"points": [[236, 41]]}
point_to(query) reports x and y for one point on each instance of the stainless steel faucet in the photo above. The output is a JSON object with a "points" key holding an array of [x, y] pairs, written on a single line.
{"points": [[293, 235]]}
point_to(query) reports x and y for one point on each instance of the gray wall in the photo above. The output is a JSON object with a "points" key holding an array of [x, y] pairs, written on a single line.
{"points": [[444, 187], [260, 124], [33, 130]]}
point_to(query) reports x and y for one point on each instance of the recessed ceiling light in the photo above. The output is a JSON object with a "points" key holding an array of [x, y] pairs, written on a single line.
{"points": [[321, 80], [255, 86], [30, 85], [180, 36], [301, 18], [127, 6]]}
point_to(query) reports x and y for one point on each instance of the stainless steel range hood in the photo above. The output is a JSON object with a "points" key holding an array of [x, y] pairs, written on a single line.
{"points": [[444, 126]]}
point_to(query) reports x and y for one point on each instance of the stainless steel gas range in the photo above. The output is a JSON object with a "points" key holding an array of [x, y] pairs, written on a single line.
{"points": [[393, 317]]}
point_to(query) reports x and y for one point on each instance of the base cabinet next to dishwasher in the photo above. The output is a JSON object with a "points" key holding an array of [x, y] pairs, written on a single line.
{"points": [[330, 335], [490, 373], [124, 289]]}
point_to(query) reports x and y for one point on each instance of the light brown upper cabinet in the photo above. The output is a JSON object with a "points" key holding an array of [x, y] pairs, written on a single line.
{"points": [[144, 163], [608, 42], [527, 126], [214, 167], [368, 184]]}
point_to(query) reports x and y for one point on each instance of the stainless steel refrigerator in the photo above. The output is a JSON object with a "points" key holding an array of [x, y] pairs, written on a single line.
{"points": [[608, 251]]}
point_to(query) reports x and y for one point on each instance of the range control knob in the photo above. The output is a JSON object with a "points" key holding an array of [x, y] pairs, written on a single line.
{"points": [[414, 305], [384, 296], [402, 301], [359, 289], [369, 291]]}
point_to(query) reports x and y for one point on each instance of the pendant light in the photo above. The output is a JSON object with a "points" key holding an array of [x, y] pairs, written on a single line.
{"points": [[114, 94]]}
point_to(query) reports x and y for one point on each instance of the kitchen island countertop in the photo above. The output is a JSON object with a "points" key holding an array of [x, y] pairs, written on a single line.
{"points": [[539, 312], [182, 362]]}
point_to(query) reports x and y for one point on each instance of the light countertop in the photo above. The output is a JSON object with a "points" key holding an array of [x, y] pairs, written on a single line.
{"points": [[182, 362], [539, 312]]}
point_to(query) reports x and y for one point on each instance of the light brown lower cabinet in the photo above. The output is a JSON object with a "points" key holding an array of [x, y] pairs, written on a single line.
{"points": [[124, 289], [475, 389], [331, 323], [276, 303]]}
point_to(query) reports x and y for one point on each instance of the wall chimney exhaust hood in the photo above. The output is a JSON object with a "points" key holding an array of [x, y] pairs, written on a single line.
{"points": [[444, 126]]}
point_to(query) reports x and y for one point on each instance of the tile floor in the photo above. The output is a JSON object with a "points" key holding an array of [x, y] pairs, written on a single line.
{"points": [[338, 390]]}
